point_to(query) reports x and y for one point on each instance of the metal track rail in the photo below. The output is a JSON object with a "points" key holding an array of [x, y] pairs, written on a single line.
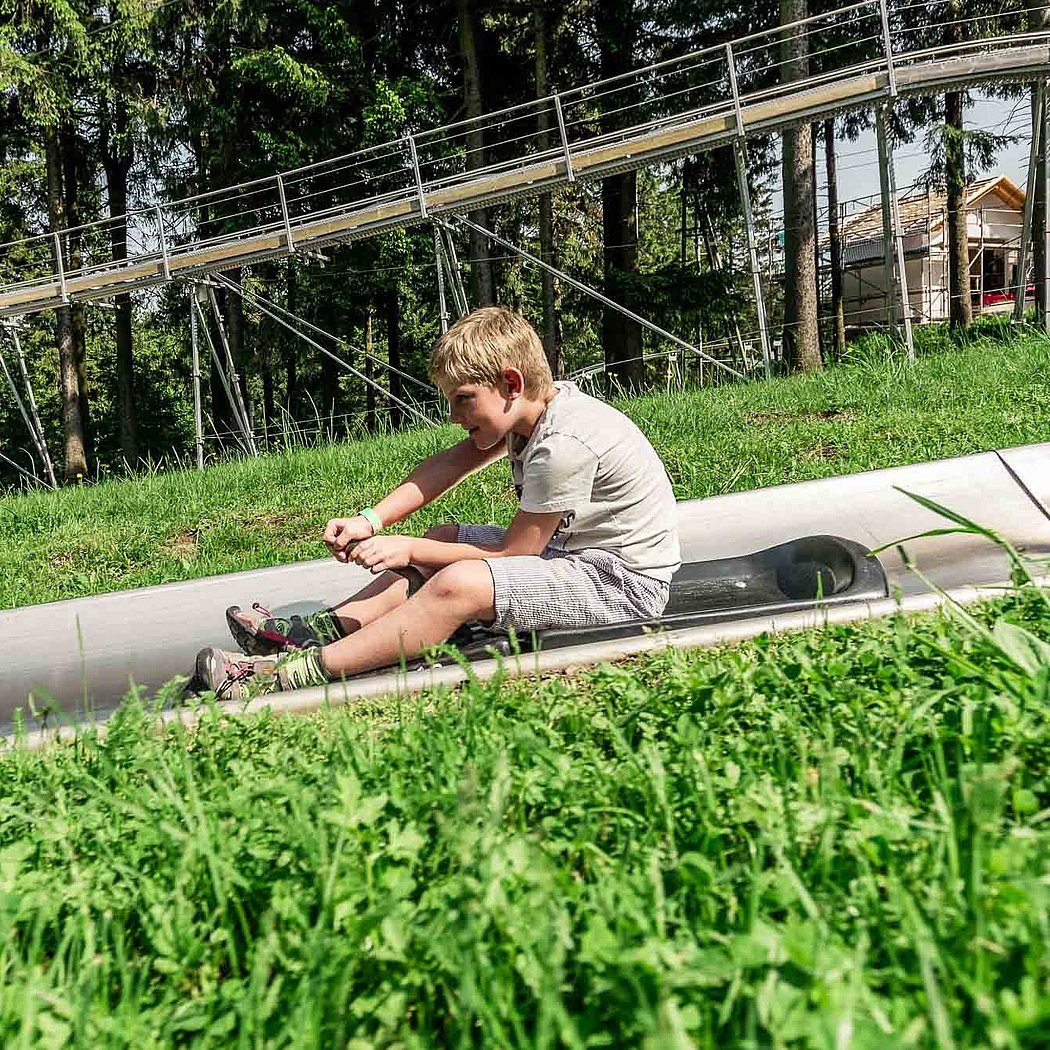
{"points": [[689, 105], [79, 656]]}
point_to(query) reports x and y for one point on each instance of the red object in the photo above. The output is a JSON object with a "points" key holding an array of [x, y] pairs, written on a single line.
{"points": [[991, 298]]}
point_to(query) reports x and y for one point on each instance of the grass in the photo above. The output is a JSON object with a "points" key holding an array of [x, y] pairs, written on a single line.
{"points": [[252, 513], [836, 839]]}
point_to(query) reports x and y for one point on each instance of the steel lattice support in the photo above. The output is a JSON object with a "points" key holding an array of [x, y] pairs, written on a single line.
{"points": [[198, 423], [740, 159], [595, 294], [29, 415], [440, 262], [1045, 231], [898, 305], [455, 271], [245, 437], [1038, 106], [282, 316]]}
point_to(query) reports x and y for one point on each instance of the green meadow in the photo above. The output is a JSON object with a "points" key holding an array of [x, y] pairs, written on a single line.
{"points": [[250, 513]]}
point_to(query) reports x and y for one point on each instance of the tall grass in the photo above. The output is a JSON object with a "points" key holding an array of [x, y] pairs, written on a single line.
{"points": [[832, 840]]}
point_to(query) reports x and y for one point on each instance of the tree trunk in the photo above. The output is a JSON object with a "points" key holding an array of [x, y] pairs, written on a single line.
{"points": [[814, 132], [75, 463], [1039, 260], [621, 337], [548, 289], [801, 338], [483, 278], [960, 311], [838, 319], [393, 353], [117, 164], [370, 372], [73, 176]]}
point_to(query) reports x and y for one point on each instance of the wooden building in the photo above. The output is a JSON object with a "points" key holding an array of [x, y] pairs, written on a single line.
{"points": [[994, 220]]}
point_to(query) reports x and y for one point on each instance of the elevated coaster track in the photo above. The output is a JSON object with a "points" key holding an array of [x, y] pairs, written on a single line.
{"points": [[859, 55]]}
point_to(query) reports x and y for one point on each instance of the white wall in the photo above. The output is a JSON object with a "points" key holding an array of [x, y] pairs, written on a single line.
{"points": [[864, 288]]}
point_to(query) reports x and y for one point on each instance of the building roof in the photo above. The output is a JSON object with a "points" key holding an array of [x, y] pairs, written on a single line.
{"points": [[916, 208]]}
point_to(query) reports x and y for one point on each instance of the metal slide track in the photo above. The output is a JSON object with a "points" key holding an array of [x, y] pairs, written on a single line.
{"points": [[702, 101], [87, 650]]}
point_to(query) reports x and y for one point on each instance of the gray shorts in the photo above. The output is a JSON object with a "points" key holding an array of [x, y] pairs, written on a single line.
{"points": [[586, 588]]}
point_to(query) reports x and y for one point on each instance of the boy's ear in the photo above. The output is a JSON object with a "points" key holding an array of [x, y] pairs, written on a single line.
{"points": [[514, 382]]}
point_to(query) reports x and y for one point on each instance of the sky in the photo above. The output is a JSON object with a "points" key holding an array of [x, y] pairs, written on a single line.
{"points": [[858, 169]]}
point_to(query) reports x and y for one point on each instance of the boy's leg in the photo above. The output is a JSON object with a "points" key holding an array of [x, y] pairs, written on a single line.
{"points": [[377, 598], [453, 595], [458, 593], [264, 635], [260, 633], [386, 592]]}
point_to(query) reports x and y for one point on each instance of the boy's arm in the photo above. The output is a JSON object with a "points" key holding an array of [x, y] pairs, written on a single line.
{"points": [[529, 533], [429, 480]]}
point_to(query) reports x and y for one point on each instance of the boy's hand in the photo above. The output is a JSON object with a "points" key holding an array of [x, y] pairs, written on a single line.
{"points": [[342, 533], [383, 552]]}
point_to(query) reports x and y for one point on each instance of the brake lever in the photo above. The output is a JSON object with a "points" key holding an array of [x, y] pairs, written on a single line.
{"points": [[409, 572], [415, 578]]}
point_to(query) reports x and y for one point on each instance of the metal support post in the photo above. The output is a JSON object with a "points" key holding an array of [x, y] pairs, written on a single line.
{"points": [[740, 158], [165, 265], [36, 436], [17, 398], [284, 215], [1039, 103], [198, 426], [459, 291], [419, 178], [594, 294], [740, 155], [61, 267], [893, 241], [237, 401], [566, 152], [221, 369], [439, 259], [887, 45], [27, 383], [261, 305], [1045, 231], [980, 265], [734, 89]]}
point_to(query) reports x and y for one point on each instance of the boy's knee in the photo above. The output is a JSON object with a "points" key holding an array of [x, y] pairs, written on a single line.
{"points": [[464, 583], [442, 533]]}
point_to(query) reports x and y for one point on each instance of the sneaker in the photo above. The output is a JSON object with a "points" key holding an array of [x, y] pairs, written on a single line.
{"points": [[235, 676], [264, 634]]}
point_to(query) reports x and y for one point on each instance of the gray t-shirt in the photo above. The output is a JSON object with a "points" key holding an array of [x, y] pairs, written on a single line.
{"points": [[591, 462]]}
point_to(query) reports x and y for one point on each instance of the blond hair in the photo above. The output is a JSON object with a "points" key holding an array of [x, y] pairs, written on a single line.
{"points": [[481, 344]]}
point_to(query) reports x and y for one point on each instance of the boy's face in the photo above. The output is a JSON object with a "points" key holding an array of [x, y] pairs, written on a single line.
{"points": [[486, 413]]}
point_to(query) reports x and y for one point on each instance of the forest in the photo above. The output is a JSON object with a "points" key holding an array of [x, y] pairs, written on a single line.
{"points": [[106, 108]]}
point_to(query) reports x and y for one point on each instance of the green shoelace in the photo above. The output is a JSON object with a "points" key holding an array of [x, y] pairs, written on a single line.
{"points": [[301, 669]]}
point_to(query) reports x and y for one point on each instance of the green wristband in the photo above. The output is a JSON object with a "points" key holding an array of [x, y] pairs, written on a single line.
{"points": [[373, 519]]}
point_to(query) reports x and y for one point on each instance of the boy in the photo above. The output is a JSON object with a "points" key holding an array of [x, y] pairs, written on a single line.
{"points": [[594, 540]]}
